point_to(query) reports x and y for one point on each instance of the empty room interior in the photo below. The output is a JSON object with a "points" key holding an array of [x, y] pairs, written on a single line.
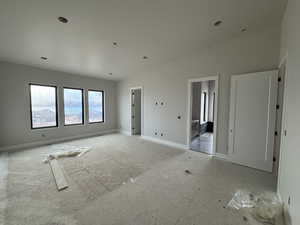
{"points": [[138, 112]]}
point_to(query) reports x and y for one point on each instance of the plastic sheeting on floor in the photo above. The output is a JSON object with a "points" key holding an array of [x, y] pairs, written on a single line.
{"points": [[67, 151], [263, 207]]}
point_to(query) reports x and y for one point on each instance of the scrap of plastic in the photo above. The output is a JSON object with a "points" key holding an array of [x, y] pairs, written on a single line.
{"points": [[67, 151], [264, 207]]}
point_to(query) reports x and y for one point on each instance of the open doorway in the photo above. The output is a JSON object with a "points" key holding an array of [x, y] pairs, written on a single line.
{"points": [[136, 110], [202, 122]]}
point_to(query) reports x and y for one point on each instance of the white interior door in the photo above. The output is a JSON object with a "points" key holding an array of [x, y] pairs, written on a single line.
{"points": [[252, 119]]}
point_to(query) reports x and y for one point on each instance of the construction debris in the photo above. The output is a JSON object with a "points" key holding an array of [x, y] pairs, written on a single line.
{"points": [[188, 172], [67, 151], [263, 207], [58, 175]]}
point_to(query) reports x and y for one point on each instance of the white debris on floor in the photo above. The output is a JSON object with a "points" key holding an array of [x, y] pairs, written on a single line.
{"points": [[67, 151], [263, 207]]}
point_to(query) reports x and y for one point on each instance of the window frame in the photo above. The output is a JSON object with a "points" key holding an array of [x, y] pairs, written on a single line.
{"points": [[56, 106], [83, 111], [103, 107], [204, 106]]}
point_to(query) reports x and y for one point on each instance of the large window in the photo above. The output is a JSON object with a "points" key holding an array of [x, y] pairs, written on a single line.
{"points": [[96, 106], [73, 106], [43, 106]]}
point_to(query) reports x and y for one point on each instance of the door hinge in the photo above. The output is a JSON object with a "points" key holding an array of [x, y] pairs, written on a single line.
{"points": [[132, 117], [277, 106], [276, 133], [279, 79], [274, 159]]}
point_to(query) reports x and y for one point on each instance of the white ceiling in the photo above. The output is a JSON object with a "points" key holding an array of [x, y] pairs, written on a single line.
{"points": [[159, 29]]}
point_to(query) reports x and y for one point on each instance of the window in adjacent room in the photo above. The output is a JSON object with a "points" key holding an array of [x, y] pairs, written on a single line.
{"points": [[73, 106], [43, 106], [203, 107], [96, 106]]}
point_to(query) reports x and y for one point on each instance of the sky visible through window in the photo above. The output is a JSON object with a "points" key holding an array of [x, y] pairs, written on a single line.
{"points": [[43, 106], [95, 106], [73, 106]]}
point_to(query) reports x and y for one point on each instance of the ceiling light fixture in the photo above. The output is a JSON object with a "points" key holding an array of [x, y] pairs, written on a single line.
{"points": [[63, 19], [145, 57], [115, 43], [218, 23], [44, 58], [110, 73]]}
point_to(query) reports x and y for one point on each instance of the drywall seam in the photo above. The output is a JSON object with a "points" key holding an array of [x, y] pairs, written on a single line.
{"points": [[164, 142], [53, 141]]}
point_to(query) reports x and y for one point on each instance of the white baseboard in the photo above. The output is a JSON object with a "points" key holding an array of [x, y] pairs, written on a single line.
{"points": [[221, 156], [164, 142], [125, 132], [53, 141]]}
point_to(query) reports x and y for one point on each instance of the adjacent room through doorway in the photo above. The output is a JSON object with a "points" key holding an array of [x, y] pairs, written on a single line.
{"points": [[136, 111], [202, 123]]}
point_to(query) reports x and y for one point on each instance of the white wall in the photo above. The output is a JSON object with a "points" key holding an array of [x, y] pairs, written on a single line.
{"points": [[289, 166], [15, 110], [169, 82]]}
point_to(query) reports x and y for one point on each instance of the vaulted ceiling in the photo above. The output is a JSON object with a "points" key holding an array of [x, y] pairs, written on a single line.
{"points": [[158, 29]]}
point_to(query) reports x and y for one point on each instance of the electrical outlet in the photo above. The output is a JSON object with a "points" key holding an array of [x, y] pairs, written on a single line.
{"points": [[43, 135], [155, 133], [161, 134]]}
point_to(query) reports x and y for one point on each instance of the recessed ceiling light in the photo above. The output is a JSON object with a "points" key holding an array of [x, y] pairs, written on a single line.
{"points": [[115, 43], [63, 19], [145, 57], [110, 73], [218, 23], [44, 58]]}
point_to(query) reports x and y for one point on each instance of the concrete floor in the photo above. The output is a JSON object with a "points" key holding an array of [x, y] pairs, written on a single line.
{"points": [[125, 180], [203, 143]]}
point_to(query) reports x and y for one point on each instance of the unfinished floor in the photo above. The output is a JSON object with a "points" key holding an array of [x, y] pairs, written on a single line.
{"points": [[125, 180]]}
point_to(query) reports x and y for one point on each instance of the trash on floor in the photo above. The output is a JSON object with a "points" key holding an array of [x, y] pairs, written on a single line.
{"points": [[132, 180], [67, 151], [188, 172], [263, 207]]}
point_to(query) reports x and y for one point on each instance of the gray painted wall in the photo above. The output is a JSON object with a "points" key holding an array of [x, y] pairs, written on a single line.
{"points": [[15, 111], [289, 165], [169, 83]]}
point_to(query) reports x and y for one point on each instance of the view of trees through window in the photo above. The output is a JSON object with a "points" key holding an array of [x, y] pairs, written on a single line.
{"points": [[43, 106], [95, 101], [73, 106]]}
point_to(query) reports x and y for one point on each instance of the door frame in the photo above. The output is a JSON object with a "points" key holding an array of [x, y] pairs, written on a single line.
{"points": [[189, 109], [142, 109]]}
